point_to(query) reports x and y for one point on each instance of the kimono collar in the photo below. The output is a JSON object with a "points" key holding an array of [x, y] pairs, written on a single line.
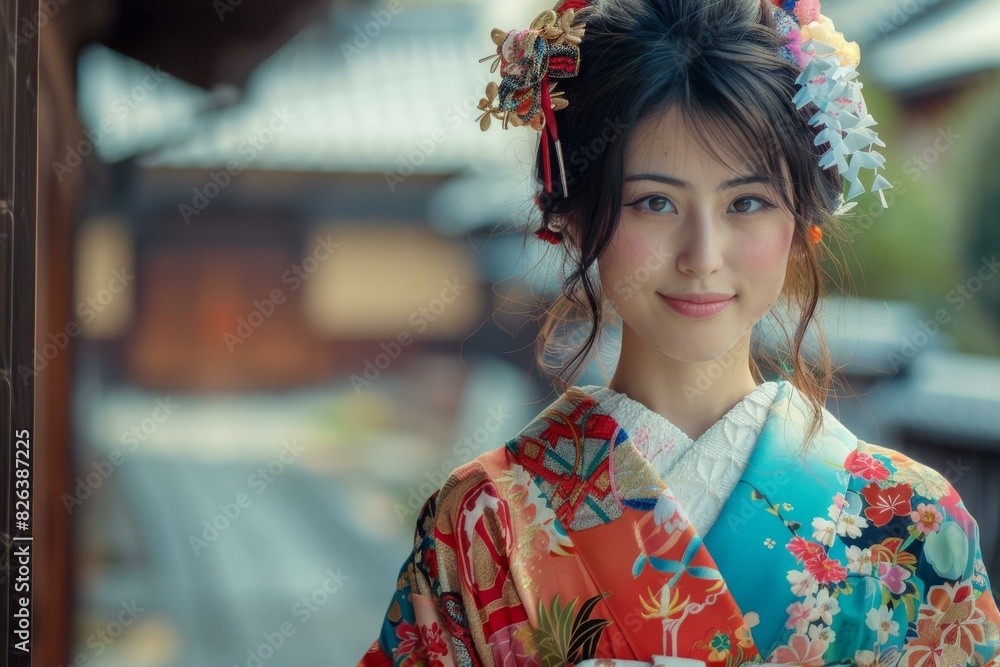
{"points": [[590, 470]]}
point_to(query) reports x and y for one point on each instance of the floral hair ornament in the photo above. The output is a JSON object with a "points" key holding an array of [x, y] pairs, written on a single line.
{"points": [[528, 59], [829, 80]]}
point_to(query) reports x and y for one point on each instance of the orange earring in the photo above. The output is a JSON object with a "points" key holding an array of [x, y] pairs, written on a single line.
{"points": [[815, 234]]}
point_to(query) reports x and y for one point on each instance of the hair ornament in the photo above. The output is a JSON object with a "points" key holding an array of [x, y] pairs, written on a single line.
{"points": [[528, 59], [551, 232], [829, 80], [549, 235], [549, 49], [815, 234]]}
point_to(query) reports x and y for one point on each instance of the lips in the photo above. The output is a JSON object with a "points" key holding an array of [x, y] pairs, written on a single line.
{"points": [[700, 297], [709, 303]]}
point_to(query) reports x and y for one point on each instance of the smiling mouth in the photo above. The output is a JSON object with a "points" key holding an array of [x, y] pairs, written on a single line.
{"points": [[701, 309], [700, 297]]}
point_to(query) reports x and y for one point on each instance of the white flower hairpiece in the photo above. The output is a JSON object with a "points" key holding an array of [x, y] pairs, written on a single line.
{"points": [[846, 123], [829, 80]]}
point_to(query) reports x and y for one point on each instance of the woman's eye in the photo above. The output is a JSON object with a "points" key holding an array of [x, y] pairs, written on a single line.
{"points": [[657, 204], [745, 205]]}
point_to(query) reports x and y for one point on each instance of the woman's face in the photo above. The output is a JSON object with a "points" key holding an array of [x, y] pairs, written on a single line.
{"points": [[691, 227]]}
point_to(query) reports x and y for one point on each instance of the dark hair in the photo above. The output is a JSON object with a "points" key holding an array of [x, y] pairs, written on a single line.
{"points": [[718, 60]]}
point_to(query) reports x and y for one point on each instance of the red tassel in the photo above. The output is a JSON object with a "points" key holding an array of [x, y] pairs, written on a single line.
{"points": [[545, 162], [550, 117], [570, 4], [546, 113], [547, 234], [553, 130]]}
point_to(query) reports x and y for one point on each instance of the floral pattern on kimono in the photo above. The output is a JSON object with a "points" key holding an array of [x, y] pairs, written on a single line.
{"points": [[564, 546], [891, 574]]}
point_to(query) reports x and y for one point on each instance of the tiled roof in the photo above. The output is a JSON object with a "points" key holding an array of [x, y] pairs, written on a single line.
{"points": [[405, 99], [957, 40], [915, 44]]}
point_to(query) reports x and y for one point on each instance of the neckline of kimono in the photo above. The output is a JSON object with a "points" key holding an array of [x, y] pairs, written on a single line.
{"points": [[786, 391], [772, 455], [652, 414]]}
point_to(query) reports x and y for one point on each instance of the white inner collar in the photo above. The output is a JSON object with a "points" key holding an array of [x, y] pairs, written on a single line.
{"points": [[700, 474]]}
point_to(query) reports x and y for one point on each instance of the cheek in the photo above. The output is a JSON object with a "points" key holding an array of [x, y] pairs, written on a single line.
{"points": [[769, 254], [627, 252]]}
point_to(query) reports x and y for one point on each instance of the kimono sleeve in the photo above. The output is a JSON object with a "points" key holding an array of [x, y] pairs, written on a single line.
{"points": [[958, 619], [437, 613]]}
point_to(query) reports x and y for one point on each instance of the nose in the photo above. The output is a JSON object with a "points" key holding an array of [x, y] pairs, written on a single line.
{"points": [[700, 245]]}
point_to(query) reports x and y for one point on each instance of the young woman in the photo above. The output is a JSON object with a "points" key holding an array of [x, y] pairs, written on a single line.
{"points": [[690, 513]]}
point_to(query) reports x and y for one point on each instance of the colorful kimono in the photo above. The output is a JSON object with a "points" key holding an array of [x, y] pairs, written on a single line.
{"points": [[565, 547]]}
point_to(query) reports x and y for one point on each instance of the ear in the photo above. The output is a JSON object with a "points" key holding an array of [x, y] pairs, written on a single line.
{"points": [[800, 242]]}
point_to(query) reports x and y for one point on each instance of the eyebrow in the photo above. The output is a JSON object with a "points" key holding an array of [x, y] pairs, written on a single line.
{"points": [[670, 180]]}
